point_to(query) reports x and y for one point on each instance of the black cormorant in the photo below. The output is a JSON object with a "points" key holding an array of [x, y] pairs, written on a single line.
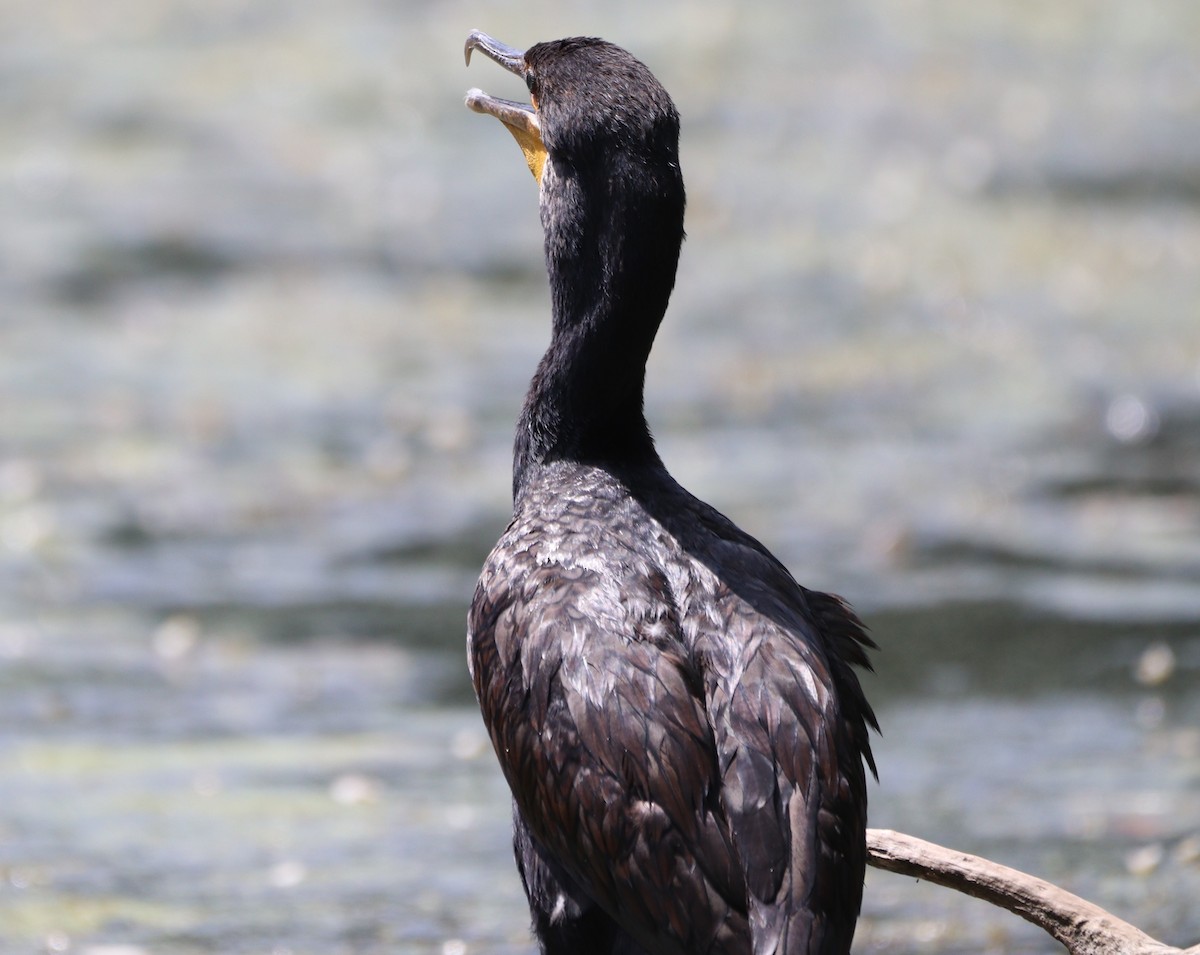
{"points": [[677, 718]]}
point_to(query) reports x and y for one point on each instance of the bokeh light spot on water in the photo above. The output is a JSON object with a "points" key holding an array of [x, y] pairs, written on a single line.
{"points": [[176, 637], [58, 942], [1145, 860], [287, 874], [353, 789], [1155, 665], [1130, 419]]}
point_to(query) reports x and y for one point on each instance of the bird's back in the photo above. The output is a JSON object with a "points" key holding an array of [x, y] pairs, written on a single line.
{"points": [[677, 718]]}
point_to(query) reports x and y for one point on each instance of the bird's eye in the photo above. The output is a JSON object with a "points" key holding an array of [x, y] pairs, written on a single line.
{"points": [[531, 82]]}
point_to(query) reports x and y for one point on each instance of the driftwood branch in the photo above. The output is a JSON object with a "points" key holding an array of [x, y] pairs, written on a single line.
{"points": [[1084, 928]]}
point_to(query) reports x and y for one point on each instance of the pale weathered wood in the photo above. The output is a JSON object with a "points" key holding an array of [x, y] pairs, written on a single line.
{"points": [[1084, 928]]}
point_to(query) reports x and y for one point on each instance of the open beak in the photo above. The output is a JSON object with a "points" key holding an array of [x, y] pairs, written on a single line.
{"points": [[520, 118]]}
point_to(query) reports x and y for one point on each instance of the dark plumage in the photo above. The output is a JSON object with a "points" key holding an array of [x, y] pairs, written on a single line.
{"points": [[677, 718]]}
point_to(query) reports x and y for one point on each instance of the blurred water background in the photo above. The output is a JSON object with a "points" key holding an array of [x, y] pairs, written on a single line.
{"points": [[270, 299]]}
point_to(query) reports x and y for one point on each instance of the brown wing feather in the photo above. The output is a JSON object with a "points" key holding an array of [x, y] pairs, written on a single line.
{"points": [[603, 739], [678, 721], [790, 723]]}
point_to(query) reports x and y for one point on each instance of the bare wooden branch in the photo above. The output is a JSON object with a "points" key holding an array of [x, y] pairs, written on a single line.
{"points": [[1084, 928]]}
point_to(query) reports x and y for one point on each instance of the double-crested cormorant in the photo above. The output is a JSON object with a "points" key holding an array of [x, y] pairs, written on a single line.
{"points": [[677, 718]]}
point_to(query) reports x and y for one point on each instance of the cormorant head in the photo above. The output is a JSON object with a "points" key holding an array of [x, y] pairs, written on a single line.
{"points": [[591, 102]]}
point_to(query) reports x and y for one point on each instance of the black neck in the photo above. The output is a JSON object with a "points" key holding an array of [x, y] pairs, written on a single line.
{"points": [[612, 245]]}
